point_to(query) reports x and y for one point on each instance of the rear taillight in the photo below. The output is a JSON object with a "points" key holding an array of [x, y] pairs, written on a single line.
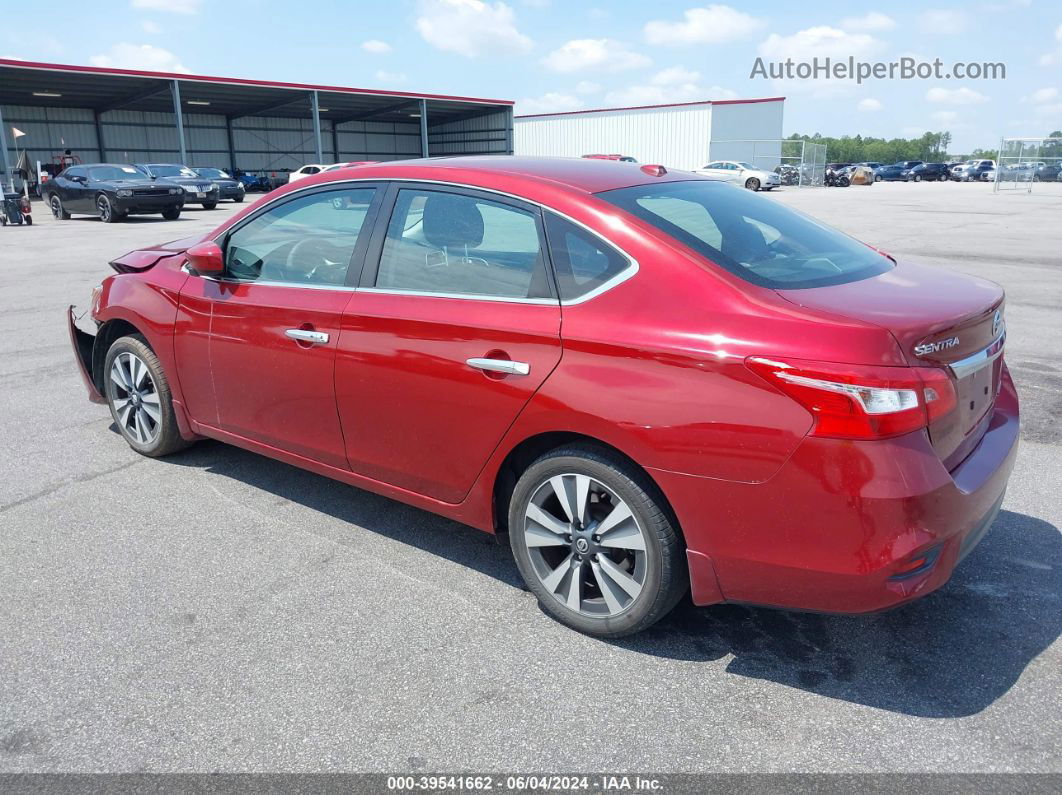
{"points": [[858, 401]]}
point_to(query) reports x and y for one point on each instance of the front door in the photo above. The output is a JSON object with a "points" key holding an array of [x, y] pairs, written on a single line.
{"points": [[455, 328], [274, 321]]}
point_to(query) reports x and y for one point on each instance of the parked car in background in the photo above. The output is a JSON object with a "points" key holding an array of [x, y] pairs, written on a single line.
{"points": [[111, 191], [197, 189], [871, 164], [621, 158], [350, 164], [931, 172], [228, 187], [890, 173], [740, 173], [306, 171], [1047, 173], [839, 442], [972, 170]]}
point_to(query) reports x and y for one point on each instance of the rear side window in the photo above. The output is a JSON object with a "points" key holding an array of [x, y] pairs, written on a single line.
{"points": [[751, 236], [581, 260], [442, 242]]}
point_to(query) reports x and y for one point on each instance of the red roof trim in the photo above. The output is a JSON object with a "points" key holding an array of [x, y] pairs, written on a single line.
{"points": [[650, 107], [241, 81]]}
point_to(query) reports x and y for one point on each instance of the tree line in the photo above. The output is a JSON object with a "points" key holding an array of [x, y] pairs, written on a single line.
{"points": [[930, 147]]}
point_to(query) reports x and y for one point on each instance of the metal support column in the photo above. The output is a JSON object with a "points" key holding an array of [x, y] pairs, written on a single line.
{"points": [[9, 180], [316, 126], [424, 128], [175, 89], [509, 150], [100, 145], [232, 146], [335, 142]]}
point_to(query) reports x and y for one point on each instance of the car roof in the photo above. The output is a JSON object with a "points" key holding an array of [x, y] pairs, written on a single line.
{"points": [[580, 174]]}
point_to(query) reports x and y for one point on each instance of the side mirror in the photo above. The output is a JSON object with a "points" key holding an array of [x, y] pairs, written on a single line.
{"points": [[205, 259]]}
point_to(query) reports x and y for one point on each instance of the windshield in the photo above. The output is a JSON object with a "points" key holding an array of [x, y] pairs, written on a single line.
{"points": [[212, 173], [106, 173], [751, 236], [171, 171]]}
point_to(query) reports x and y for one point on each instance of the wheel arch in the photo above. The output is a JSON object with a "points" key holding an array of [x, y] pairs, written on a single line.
{"points": [[527, 451], [107, 333]]}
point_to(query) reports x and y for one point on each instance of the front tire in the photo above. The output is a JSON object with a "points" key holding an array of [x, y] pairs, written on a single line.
{"points": [[139, 398], [877, 178], [106, 209], [238, 199], [171, 215], [595, 543], [916, 178], [752, 184]]}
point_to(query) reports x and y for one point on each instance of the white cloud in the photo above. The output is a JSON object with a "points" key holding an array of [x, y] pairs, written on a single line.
{"points": [[944, 21], [603, 55], [675, 84], [1058, 33], [471, 27], [1052, 111], [172, 6], [1051, 58], [712, 25], [872, 21], [376, 47], [1041, 96], [150, 27], [587, 87], [955, 96], [140, 56], [819, 42], [945, 116], [391, 78], [869, 105], [552, 102]]}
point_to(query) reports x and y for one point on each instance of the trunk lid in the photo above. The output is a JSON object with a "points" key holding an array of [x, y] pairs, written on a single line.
{"points": [[940, 319]]}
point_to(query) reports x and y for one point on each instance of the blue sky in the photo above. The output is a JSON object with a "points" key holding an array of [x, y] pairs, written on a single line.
{"points": [[564, 55]]}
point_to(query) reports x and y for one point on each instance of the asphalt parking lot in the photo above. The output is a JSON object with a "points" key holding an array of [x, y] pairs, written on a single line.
{"points": [[219, 611]]}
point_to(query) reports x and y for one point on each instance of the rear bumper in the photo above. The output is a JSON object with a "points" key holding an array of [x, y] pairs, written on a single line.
{"points": [[846, 527], [82, 344]]}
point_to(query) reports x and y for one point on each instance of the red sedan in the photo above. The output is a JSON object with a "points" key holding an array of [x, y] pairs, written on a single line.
{"points": [[652, 382]]}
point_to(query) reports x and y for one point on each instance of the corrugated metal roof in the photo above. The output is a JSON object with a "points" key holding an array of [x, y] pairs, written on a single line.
{"points": [[652, 107]]}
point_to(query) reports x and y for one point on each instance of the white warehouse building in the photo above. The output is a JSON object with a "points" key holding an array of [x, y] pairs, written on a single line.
{"points": [[682, 136]]}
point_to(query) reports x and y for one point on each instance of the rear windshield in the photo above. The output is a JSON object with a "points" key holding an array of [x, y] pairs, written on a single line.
{"points": [[751, 236]]}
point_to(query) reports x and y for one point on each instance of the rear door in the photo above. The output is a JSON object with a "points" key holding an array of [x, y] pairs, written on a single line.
{"points": [[455, 327]]}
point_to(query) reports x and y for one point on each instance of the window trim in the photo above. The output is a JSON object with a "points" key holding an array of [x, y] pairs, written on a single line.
{"points": [[375, 253], [386, 183], [357, 256]]}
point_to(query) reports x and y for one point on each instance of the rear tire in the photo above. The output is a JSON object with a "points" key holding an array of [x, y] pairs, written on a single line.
{"points": [[139, 398], [916, 178], [56, 205], [877, 178], [209, 205], [238, 199], [609, 585], [29, 221]]}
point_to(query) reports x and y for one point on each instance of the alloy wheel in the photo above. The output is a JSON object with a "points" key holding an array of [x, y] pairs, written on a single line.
{"points": [[104, 207], [57, 208], [135, 398], [585, 545]]}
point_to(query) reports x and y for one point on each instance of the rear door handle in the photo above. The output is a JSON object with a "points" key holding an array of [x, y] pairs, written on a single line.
{"points": [[500, 366], [304, 335]]}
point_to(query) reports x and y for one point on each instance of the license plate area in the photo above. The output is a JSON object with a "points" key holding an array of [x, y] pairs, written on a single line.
{"points": [[977, 392]]}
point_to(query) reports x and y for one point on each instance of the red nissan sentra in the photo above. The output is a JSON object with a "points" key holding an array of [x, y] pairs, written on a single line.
{"points": [[652, 382]]}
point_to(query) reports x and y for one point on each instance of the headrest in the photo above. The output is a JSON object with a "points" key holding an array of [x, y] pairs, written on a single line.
{"points": [[452, 221]]}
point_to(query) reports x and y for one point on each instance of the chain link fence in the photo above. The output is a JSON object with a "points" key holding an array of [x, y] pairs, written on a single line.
{"points": [[798, 163], [1024, 162]]}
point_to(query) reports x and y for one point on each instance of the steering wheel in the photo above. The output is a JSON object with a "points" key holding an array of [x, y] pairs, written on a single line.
{"points": [[294, 268]]}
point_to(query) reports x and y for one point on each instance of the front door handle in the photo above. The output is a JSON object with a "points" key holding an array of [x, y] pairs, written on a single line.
{"points": [[500, 366], [305, 335]]}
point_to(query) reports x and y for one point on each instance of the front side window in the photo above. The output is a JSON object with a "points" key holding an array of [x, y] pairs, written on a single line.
{"points": [[441, 242], [309, 240], [755, 238], [582, 261]]}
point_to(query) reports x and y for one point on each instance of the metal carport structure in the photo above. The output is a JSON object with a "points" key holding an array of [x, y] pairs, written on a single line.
{"points": [[127, 115]]}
